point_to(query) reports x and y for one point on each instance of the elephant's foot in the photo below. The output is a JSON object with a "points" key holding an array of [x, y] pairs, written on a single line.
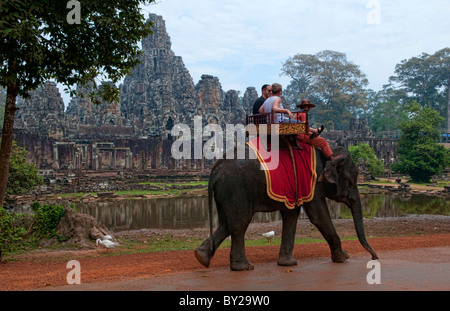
{"points": [[202, 257], [203, 253], [243, 265], [339, 256], [287, 261]]}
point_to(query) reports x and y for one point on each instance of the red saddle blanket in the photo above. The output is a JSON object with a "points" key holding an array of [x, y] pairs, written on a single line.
{"points": [[280, 179]]}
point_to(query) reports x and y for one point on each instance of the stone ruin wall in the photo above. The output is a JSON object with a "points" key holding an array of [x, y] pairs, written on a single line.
{"points": [[359, 133], [133, 134]]}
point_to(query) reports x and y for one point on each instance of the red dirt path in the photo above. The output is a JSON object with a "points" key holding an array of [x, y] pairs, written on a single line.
{"points": [[26, 275]]}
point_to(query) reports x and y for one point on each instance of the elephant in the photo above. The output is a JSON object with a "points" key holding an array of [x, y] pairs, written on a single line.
{"points": [[239, 190]]}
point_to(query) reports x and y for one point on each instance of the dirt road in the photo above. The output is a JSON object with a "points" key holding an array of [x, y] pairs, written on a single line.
{"points": [[47, 269], [414, 269], [99, 271]]}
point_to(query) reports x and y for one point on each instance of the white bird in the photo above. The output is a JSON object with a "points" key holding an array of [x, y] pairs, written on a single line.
{"points": [[106, 244], [107, 237], [269, 235]]}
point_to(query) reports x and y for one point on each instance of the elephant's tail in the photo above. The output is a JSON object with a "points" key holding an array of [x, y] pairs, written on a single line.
{"points": [[210, 208]]}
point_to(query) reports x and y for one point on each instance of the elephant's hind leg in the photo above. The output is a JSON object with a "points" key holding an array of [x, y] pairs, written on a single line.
{"points": [[238, 259], [238, 227], [203, 256], [205, 252], [290, 218]]}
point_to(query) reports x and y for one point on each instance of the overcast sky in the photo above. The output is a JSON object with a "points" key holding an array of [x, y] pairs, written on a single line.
{"points": [[245, 43]]}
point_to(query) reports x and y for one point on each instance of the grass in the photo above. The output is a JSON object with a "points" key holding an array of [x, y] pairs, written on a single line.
{"points": [[157, 244], [131, 193], [168, 243], [76, 195], [439, 184], [165, 189], [137, 193], [163, 185], [170, 189]]}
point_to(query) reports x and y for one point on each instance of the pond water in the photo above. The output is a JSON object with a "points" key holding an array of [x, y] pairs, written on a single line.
{"points": [[192, 212]]}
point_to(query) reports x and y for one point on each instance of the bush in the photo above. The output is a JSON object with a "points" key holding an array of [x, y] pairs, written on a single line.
{"points": [[47, 218], [420, 154], [13, 226], [364, 151], [423, 161], [10, 232], [23, 176]]}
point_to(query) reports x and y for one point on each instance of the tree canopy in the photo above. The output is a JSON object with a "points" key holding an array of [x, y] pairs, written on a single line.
{"points": [[39, 43], [69, 41], [424, 79], [386, 116], [420, 155], [339, 89], [334, 84]]}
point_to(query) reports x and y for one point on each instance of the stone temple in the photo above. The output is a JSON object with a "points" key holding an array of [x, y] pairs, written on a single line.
{"points": [[134, 134]]}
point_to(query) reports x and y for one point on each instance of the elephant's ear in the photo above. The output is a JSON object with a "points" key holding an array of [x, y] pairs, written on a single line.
{"points": [[330, 175]]}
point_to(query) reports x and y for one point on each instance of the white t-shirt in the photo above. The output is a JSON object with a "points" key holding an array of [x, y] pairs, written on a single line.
{"points": [[268, 104]]}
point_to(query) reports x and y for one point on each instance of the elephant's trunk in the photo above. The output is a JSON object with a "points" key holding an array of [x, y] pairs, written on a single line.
{"points": [[359, 226]]}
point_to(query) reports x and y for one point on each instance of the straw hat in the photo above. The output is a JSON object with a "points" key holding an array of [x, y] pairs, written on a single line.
{"points": [[306, 103]]}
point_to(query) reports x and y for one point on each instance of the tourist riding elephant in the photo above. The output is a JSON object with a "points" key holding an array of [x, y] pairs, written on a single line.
{"points": [[239, 190]]}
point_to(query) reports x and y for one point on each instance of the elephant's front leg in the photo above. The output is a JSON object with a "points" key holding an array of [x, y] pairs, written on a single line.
{"points": [[290, 218], [319, 215]]}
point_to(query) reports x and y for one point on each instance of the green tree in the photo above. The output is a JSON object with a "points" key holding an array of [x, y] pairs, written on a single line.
{"points": [[42, 40], [420, 154], [42, 224], [364, 151], [443, 61], [301, 68], [424, 79], [47, 218], [23, 176], [10, 232], [335, 85], [386, 116]]}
